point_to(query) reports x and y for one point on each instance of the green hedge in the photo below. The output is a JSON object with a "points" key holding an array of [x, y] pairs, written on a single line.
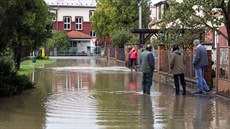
{"points": [[12, 83]]}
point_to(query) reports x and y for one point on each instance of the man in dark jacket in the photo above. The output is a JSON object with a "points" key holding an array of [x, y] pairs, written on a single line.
{"points": [[147, 67], [200, 62]]}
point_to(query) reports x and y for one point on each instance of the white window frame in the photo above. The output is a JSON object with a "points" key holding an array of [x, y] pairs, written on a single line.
{"points": [[67, 23], [79, 23], [92, 33], [216, 39]]}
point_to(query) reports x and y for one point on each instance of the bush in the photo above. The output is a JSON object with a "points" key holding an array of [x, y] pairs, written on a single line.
{"points": [[12, 83], [121, 37]]}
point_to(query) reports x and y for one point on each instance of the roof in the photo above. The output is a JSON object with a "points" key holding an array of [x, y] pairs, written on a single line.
{"points": [[78, 35], [160, 2], [71, 3]]}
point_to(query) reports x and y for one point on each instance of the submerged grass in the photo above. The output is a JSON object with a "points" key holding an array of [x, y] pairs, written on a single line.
{"points": [[27, 66]]}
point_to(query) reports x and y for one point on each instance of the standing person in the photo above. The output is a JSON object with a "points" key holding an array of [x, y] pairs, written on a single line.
{"points": [[177, 65], [133, 58], [200, 62], [147, 67]]}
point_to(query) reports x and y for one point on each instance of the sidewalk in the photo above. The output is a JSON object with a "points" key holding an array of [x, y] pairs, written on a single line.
{"points": [[190, 88]]}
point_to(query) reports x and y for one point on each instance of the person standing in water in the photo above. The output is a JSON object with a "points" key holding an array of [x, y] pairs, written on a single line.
{"points": [[147, 67]]}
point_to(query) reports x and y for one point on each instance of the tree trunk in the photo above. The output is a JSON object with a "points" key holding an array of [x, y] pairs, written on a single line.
{"points": [[17, 56]]}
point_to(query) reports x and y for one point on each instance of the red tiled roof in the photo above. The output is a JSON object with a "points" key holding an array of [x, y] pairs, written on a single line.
{"points": [[78, 35]]}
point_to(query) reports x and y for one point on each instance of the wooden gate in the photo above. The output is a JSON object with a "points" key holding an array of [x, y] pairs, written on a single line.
{"points": [[223, 71]]}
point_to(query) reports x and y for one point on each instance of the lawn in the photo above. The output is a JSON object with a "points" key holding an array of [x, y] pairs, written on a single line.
{"points": [[27, 66]]}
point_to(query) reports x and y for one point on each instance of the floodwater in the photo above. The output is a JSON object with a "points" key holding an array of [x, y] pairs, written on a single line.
{"points": [[91, 93]]}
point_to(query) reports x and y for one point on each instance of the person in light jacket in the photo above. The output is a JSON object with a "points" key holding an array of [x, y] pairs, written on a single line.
{"points": [[177, 65], [200, 62]]}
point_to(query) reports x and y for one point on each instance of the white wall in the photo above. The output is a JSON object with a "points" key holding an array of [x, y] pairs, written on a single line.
{"points": [[73, 12], [83, 44]]}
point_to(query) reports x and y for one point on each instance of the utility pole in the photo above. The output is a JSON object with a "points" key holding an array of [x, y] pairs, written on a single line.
{"points": [[140, 23], [140, 14]]}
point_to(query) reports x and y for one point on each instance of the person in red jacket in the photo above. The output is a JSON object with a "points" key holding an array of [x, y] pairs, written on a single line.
{"points": [[133, 56]]}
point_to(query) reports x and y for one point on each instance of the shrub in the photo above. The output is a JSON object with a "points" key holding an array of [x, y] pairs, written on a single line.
{"points": [[12, 83], [120, 37]]}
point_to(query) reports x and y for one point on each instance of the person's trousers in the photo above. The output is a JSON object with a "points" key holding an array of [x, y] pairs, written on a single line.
{"points": [[201, 83], [147, 82], [133, 62], [177, 85]]}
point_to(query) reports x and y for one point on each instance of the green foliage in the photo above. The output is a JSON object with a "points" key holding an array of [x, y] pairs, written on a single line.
{"points": [[114, 15], [58, 40], [25, 25], [195, 17], [120, 37], [134, 39], [10, 82]]}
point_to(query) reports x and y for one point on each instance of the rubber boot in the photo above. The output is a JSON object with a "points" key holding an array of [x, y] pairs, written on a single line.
{"points": [[184, 90], [144, 89]]}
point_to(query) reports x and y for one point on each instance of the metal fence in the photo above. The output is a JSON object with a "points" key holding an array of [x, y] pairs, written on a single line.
{"points": [[222, 71], [121, 54], [112, 52], [188, 57]]}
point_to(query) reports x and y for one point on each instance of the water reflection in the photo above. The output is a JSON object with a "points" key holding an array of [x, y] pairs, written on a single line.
{"points": [[146, 113], [203, 113], [92, 94]]}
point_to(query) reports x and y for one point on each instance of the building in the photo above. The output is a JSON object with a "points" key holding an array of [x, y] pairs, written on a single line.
{"points": [[73, 17], [210, 37]]}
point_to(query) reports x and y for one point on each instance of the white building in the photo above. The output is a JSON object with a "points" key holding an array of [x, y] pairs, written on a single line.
{"points": [[73, 17]]}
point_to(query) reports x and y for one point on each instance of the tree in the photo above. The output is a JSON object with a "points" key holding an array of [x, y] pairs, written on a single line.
{"points": [[5, 30], [112, 15], [198, 16], [27, 25], [58, 40], [121, 37]]}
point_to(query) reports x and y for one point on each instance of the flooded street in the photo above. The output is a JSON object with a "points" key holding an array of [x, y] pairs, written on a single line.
{"points": [[91, 93]]}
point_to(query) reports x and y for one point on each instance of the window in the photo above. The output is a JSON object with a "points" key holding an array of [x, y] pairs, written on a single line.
{"points": [[74, 44], [78, 21], [91, 13], [162, 10], [54, 14], [92, 33], [67, 23], [54, 19]]}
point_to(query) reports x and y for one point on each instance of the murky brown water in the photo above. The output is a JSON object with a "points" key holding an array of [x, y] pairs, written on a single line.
{"points": [[86, 93]]}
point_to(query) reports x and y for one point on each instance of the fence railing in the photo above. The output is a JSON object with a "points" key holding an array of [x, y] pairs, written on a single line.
{"points": [[223, 63], [188, 57], [112, 52], [121, 55]]}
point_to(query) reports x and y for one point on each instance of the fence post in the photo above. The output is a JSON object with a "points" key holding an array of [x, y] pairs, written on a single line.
{"points": [[115, 53], [208, 71], [161, 47], [217, 66]]}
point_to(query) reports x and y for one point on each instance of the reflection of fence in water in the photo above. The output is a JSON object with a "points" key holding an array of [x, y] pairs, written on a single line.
{"points": [[223, 68]]}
